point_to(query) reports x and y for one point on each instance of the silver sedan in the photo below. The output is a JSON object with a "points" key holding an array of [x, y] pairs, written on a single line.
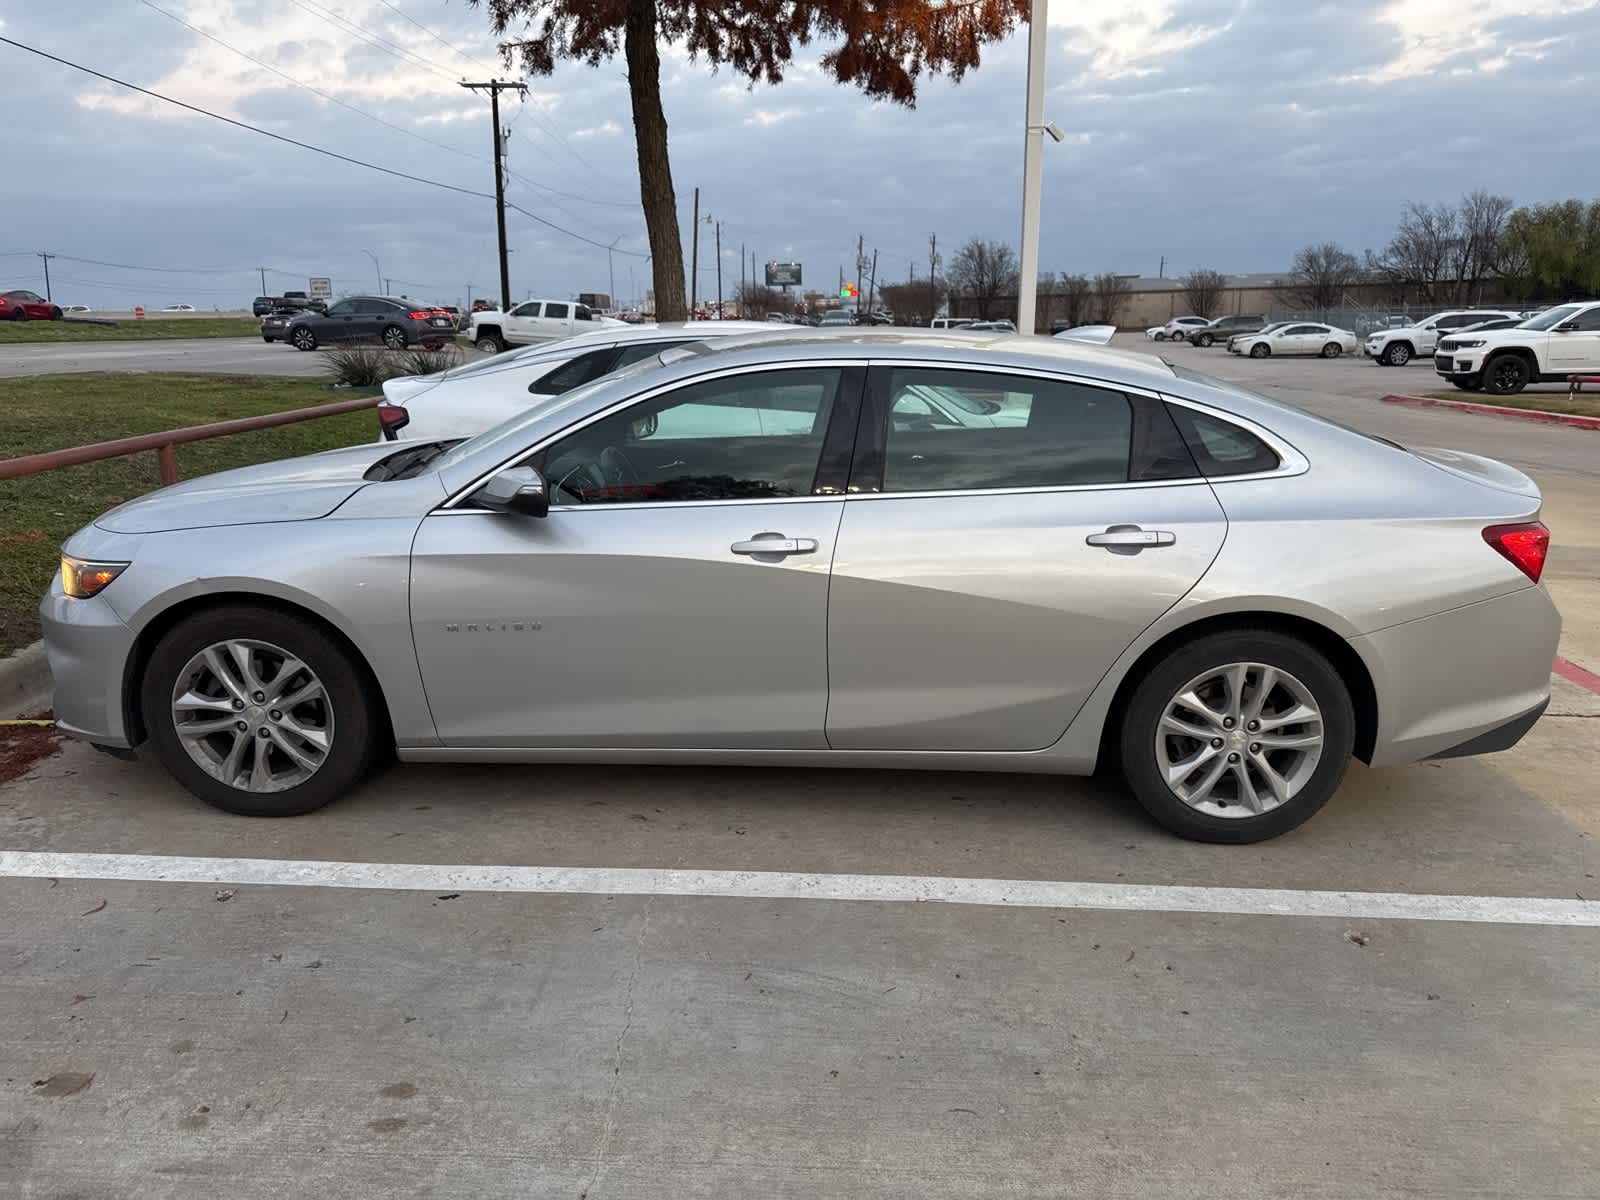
{"points": [[872, 549]]}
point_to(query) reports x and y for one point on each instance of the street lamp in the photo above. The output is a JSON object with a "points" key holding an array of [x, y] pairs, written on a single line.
{"points": [[1032, 154], [376, 269]]}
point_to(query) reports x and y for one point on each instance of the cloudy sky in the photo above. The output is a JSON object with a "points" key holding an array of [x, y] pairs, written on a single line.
{"points": [[1222, 133]]}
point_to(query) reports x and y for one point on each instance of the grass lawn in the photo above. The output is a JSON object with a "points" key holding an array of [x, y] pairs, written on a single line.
{"points": [[1584, 404], [52, 412], [127, 331]]}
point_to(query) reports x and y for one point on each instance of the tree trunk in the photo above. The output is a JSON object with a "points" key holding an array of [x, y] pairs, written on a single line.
{"points": [[655, 171]]}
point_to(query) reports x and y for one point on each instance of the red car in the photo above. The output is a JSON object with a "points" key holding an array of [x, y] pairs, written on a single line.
{"points": [[27, 306]]}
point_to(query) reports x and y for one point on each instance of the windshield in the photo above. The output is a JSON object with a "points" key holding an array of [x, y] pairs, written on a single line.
{"points": [[1550, 318], [509, 429]]}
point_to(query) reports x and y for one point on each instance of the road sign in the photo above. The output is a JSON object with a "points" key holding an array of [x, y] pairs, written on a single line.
{"points": [[321, 287], [783, 274]]}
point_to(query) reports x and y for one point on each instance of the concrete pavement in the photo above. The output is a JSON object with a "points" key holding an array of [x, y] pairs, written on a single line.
{"points": [[222, 356]]}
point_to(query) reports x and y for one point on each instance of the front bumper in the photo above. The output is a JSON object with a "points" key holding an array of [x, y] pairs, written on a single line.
{"points": [[87, 646], [1446, 681], [1457, 364]]}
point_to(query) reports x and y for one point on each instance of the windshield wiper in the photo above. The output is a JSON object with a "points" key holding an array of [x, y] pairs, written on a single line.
{"points": [[404, 464]]}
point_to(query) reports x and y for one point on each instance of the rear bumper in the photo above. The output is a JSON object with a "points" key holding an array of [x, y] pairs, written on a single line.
{"points": [[87, 646], [1459, 682]]}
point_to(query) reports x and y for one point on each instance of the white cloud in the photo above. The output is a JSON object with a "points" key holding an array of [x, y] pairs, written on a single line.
{"points": [[1434, 32]]}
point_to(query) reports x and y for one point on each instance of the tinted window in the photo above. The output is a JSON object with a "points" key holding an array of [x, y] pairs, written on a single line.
{"points": [[579, 371], [556, 310], [754, 436], [639, 350], [342, 309], [526, 310], [1222, 448], [1302, 329], [962, 430], [581, 313], [1588, 320]]}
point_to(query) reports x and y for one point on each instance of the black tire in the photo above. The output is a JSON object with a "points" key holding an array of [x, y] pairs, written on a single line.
{"points": [[1332, 350], [1159, 336], [355, 721], [1396, 354], [19, 313], [266, 339], [1142, 717], [1506, 375], [1261, 350], [1203, 339], [1468, 383], [55, 314], [490, 343], [302, 338], [394, 337]]}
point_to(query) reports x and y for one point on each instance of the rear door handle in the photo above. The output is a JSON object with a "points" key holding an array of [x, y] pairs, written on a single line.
{"points": [[775, 544], [1131, 537]]}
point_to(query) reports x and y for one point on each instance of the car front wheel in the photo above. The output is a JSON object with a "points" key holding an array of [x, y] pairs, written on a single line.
{"points": [[1506, 375], [1396, 354], [303, 339], [1260, 350], [258, 712], [1237, 737]]}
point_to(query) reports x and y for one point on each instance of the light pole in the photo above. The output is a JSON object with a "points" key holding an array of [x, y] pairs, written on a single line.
{"points": [[611, 274], [377, 269], [1032, 154]]}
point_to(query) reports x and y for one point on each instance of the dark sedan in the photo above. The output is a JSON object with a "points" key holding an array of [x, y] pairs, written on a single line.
{"points": [[397, 323], [275, 325]]}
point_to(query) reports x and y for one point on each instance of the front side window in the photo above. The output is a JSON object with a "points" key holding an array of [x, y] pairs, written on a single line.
{"points": [[970, 430], [342, 309], [530, 309], [755, 436], [1587, 321], [559, 311]]}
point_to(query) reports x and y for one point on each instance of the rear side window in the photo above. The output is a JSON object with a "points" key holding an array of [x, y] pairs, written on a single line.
{"points": [[969, 430], [1220, 447], [556, 310]]}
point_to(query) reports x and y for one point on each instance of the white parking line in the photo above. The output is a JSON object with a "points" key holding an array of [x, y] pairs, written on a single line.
{"points": [[787, 885]]}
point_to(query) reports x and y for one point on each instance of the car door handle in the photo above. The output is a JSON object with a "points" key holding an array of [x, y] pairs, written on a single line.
{"points": [[1131, 537], [775, 544]]}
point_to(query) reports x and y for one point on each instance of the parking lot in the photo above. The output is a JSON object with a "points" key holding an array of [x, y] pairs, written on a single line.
{"points": [[818, 983]]}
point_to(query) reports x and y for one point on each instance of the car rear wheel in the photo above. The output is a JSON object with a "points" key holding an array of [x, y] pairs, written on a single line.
{"points": [[394, 337], [1260, 350], [1506, 375], [303, 338], [1237, 737], [19, 313], [258, 712], [1396, 354], [1203, 339], [1332, 350], [490, 344]]}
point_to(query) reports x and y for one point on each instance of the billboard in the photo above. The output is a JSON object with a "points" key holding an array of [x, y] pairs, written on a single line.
{"points": [[783, 274], [321, 287]]}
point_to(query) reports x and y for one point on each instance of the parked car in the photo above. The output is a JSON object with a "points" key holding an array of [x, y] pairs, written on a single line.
{"points": [[1396, 347], [950, 322], [990, 327], [1221, 329], [1155, 570], [1176, 329], [481, 394], [275, 325], [20, 305], [76, 308], [262, 305], [397, 323], [1559, 342], [834, 318], [1267, 328], [178, 308], [304, 301], [1296, 337], [531, 322]]}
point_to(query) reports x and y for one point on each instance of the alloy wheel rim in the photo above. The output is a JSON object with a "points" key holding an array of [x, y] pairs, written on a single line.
{"points": [[395, 338], [1400, 355], [1506, 373], [302, 338], [1239, 740], [253, 716]]}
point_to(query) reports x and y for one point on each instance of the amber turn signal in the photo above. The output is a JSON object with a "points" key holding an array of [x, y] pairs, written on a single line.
{"points": [[82, 579]]}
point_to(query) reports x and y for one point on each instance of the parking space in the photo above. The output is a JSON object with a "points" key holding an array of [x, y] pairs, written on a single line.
{"points": [[724, 987]]}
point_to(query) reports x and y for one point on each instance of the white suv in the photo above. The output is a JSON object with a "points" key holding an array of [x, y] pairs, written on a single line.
{"points": [[1561, 341], [1397, 347]]}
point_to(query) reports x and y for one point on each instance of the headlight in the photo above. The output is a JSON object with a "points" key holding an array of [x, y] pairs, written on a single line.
{"points": [[81, 578], [1466, 343]]}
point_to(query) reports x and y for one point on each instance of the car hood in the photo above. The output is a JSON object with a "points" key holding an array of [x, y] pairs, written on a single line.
{"points": [[296, 489]]}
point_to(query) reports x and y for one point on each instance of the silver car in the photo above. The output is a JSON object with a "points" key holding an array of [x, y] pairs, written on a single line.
{"points": [[778, 551]]}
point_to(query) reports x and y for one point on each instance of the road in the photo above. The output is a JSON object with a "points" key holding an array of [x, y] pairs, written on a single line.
{"points": [[223, 356], [401, 1022]]}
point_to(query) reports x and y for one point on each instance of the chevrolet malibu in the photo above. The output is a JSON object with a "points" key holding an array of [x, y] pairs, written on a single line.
{"points": [[778, 551]]}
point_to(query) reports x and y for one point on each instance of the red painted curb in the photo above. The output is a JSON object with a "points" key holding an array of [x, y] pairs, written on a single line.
{"points": [[1573, 673], [1489, 410]]}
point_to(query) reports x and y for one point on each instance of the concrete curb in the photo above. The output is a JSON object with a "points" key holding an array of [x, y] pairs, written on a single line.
{"points": [[24, 682], [1571, 420]]}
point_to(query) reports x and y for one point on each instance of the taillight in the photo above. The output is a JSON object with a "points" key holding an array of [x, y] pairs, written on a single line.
{"points": [[392, 419], [1524, 545], [421, 314]]}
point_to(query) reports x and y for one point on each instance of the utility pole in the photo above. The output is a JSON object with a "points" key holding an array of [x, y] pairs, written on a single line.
{"points": [[742, 313], [1161, 271], [387, 290], [47, 258], [872, 281], [694, 256], [861, 262], [494, 87], [263, 271], [933, 257], [1032, 166], [611, 274], [719, 270], [469, 297]]}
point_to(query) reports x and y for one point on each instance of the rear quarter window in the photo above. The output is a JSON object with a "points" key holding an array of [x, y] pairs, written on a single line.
{"points": [[1220, 447]]}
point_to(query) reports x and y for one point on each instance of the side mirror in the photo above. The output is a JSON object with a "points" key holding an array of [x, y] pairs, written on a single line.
{"points": [[515, 490], [1567, 327]]}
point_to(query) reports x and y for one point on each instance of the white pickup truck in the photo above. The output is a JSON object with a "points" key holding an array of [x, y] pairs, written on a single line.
{"points": [[532, 321]]}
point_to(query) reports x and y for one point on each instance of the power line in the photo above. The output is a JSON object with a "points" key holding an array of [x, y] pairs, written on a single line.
{"points": [[372, 39], [300, 83], [569, 233], [436, 37], [278, 137], [168, 270]]}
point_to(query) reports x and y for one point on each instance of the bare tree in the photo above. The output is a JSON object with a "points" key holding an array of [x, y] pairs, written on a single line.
{"points": [[1109, 295], [756, 301], [914, 302], [1074, 293], [1482, 221], [1321, 274], [983, 272], [1420, 256], [1202, 291]]}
